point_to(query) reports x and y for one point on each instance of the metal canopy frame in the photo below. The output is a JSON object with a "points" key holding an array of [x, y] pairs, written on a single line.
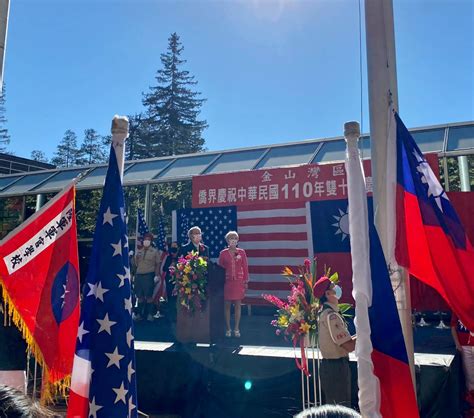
{"points": [[214, 162]]}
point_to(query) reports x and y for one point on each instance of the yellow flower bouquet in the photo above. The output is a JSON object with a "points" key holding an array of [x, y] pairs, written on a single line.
{"points": [[190, 281]]}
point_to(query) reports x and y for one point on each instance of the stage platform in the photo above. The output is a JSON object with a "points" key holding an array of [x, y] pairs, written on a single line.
{"points": [[241, 378]]}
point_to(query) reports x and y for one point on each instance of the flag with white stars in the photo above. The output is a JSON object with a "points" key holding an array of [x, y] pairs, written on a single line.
{"points": [[161, 237], [103, 380], [214, 223], [142, 227]]}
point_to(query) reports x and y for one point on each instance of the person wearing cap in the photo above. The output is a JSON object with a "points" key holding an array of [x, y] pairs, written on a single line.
{"points": [[147, 262], [335, 343], [195, 244]]}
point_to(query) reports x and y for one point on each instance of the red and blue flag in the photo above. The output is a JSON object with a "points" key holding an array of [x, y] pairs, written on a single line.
{"points": [[39, 276], [431, 241], [389, 355]]}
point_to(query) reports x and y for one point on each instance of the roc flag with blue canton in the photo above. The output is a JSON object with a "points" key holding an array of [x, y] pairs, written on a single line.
{"points": [[431, 241], [103, 380], [389, 355]]}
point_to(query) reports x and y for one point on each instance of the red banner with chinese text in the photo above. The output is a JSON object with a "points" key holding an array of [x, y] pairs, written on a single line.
{"points": [[302, 183]]}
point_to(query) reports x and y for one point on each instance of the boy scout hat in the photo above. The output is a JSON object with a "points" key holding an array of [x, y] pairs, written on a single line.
{"points": [[321, 286]]}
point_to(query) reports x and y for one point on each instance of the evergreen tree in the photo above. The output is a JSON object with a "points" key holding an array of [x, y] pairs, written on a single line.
{"points": [[92, 148], [67, 153], [137, 143], [38, 155], [4, 135], [172, 125]]}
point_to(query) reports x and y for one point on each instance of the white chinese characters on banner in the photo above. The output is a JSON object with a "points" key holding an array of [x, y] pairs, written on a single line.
{"points": [[300, 183]]}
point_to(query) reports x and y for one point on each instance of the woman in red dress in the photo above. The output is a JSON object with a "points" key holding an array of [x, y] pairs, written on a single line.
{"points": [[234, 260]]}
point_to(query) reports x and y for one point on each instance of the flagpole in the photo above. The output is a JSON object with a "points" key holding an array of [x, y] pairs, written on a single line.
{"points": [[119, 135], [4, 12], [383, 95]]}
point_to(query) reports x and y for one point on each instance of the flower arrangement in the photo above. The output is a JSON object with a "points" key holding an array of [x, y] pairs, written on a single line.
{"points": [[297, 317], [190, 281]]}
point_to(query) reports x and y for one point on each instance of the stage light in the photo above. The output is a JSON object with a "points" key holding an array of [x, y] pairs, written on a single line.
{"points": [[248, 385]]}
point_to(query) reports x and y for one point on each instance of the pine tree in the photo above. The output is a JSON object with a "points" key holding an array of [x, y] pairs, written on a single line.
{"points": [[38, 155], [137, 143], [92, 148], [4, 135], [67, 153], [172, 125]]}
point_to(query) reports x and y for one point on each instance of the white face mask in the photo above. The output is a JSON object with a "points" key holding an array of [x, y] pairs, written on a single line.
{"points": [[338, 290], [233, 242], [146, 243]]}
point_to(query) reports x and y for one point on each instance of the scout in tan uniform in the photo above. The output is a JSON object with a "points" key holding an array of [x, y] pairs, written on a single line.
{"points": [[335, 344], [147, 262]]}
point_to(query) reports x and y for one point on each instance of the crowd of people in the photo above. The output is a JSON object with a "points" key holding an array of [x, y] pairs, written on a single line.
{"points": [[152, 279]]}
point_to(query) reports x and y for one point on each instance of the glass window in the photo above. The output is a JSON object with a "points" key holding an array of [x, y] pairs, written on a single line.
{"points": [[430, 140], [331, 151], [5, 181], [60, 180], [289, 155], [145, 171], [236, 161], [95, 178], [365, 148], [26, 183], [461, 137], [187, 166]]}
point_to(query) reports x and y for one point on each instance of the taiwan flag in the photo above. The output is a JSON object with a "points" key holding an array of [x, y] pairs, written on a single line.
{"points": [[39, 276], [431, 241]]}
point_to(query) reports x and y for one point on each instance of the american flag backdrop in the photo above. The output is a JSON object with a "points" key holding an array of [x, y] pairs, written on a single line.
{"points": [[273, 236], [103, 383]]}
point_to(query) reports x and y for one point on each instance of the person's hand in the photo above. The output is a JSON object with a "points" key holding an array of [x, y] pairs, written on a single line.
{"points": [[130, 253], [156, 279], [458, 347]]}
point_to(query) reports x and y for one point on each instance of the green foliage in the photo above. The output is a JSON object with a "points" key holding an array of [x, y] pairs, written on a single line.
{"points": [[92, 149], [38, 155], [67, 153], [87, 209], [4, 135], [453, 173], [172, 126]]}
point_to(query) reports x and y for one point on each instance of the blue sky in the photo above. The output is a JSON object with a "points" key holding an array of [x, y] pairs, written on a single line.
{"points": [[272, 71]]}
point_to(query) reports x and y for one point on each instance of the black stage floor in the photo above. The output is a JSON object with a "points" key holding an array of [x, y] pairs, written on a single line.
{"points": [[209, 381], [256, 330]]}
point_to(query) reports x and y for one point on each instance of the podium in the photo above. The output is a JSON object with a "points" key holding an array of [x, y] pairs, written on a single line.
{"points": [[206, 325]]}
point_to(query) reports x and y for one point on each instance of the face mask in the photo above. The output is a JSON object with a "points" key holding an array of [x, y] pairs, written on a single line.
{"points": [[146, 243], [173, 250], [338, 291], [233, 242]]}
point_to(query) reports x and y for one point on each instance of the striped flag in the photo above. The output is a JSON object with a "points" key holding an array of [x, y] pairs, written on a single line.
{"points": [[273, 236]]}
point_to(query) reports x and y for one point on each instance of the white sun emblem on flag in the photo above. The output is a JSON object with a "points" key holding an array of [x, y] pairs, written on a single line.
{"points": [[342, 224], [427, 177]]}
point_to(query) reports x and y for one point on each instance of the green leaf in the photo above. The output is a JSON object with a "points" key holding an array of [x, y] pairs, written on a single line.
{"points": [[344, 307]]}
